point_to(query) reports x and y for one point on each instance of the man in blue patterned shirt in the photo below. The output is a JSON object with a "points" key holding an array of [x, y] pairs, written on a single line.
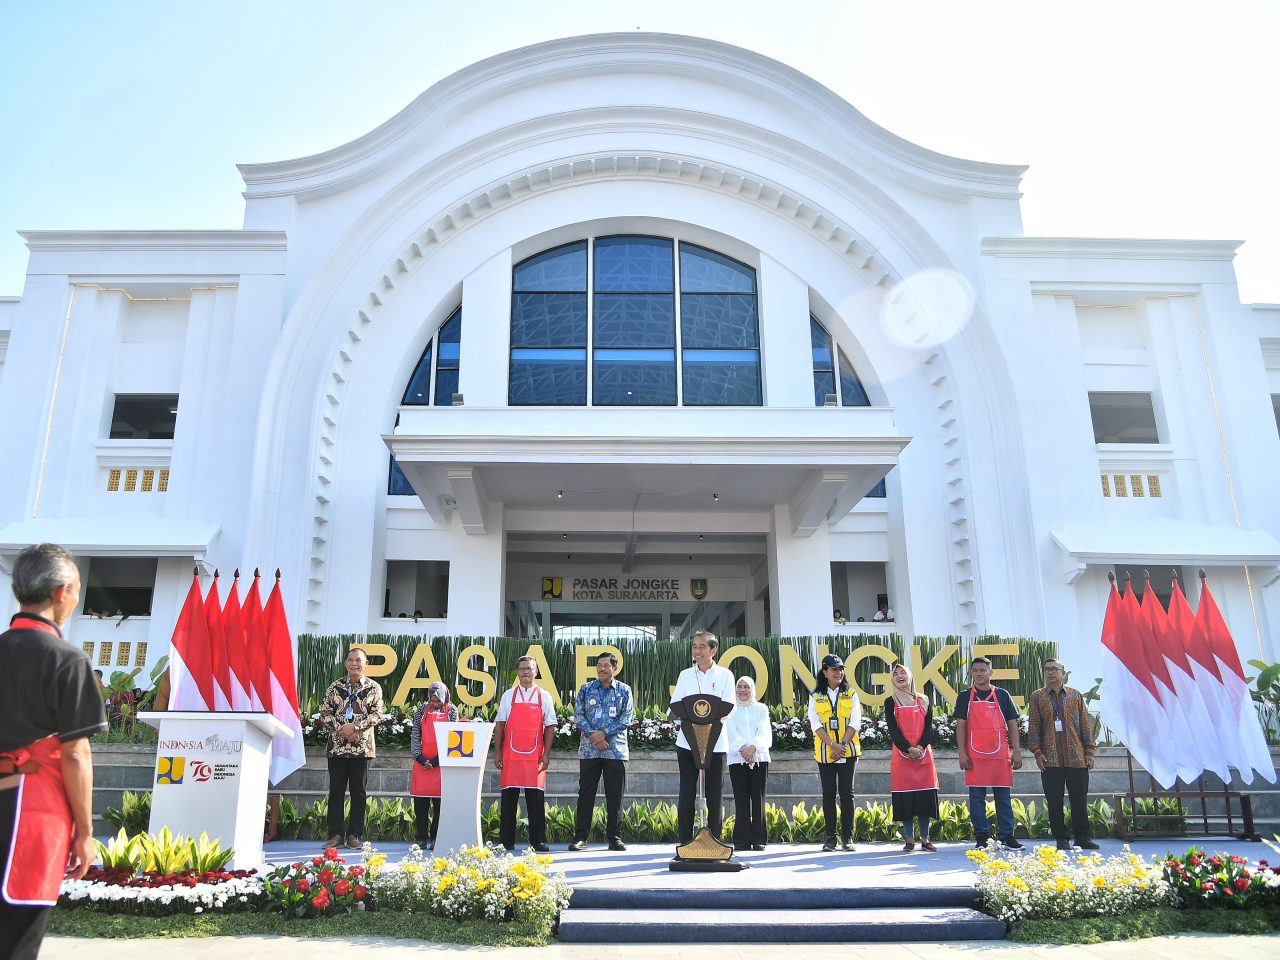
{"points": [[603, 711]]}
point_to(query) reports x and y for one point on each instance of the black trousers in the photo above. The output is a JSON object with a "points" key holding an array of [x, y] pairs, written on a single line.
{"points": [[1076, 781], [714, 785], [426, 815], [748, 804], [347, 774], [21, 928], [535, 803], [833, 776], [615, 780]]}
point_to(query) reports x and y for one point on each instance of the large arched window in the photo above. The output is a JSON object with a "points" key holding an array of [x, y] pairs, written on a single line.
{"points": [[434, 382], [610, 304]]}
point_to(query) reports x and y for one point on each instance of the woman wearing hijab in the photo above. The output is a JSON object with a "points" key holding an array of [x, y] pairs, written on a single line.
{"points": [[835, 716], [749, 735], [424, 780], [913, 779]]}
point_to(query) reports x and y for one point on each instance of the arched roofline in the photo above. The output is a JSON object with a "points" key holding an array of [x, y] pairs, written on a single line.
{"points": [[412, 129]]}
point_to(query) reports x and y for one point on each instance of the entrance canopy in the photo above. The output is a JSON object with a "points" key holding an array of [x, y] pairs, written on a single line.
{"points": [[819, 461]]}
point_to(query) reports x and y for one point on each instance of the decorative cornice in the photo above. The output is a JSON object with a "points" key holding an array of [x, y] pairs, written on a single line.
{"points": [[1091, 248], [582, 57], [151, 241]]}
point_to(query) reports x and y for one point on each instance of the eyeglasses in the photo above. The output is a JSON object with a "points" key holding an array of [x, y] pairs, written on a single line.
{"points": [[1052, 669]]}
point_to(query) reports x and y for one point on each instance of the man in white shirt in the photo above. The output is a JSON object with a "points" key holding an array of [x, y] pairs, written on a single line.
{"points": [[884, 614], [706, 678], [522, 736]]}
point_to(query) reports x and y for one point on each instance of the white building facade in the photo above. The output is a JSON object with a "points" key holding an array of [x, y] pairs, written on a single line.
{"points": [[660, 334]]}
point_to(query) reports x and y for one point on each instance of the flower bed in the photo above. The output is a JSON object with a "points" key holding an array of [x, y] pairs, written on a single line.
{"points": [[1052, 884], [320, 887], [122, 890], [1222, 881]]}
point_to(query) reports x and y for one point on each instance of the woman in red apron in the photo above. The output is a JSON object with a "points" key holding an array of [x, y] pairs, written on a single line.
{"points": [[983, 735], [523, 734], [424, 778], [913, 779]]}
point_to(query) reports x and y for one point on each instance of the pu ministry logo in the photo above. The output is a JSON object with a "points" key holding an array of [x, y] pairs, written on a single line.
{"points": [[170, 770], [461, 744]]}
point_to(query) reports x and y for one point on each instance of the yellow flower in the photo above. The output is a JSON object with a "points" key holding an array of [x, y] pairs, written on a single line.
{"points": [[1017, 883], [412, 868], [1100, 882], [978, 856], [440, 863], [997, 866]]}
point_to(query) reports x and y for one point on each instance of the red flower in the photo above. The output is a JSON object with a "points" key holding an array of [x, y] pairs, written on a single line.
{"points": [[1194, 861], [1238, 860], [326, 876], [320, 900], [1242, 884], [331, 853], [1207, 887], [303, 884], [1215, 862], [357, 871], [317, 861], [342, 888], [1227, 891], [288, 882], [361, 891]]}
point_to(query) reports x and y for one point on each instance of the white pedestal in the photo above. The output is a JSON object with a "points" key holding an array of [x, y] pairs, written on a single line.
{"points": [[464, 748], [211, 776]]}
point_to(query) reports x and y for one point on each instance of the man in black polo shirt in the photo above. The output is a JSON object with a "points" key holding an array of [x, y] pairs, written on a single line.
{"points": [[49, 707]]}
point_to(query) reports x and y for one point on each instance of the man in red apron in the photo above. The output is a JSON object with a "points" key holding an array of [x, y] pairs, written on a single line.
{"points": [[522, 736], [989, 752], [49, 706]]}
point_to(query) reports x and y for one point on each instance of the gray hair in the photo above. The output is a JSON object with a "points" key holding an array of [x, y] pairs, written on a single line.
{"points": [[40, 570]]}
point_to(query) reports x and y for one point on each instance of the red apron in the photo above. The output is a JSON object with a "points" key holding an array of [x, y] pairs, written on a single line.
{"points": [[907, 775], [988, 743], [423, 781], [522, 746]]}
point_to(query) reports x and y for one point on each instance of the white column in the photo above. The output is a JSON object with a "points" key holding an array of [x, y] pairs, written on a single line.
{"points": [[799, 578], [784, 336], [486, 333], [477, 577]]}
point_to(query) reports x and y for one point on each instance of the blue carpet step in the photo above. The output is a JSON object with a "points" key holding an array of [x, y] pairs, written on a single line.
{"points": [[857, 925], [638, 896]]}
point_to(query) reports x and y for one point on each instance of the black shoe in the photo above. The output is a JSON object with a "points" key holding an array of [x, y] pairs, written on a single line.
{"points": [[508, 846], [847, 846], [758, 846], [541, 848], [1063, 845], [829, 847], [1087, 845], [617, 845], [980, 840], [578, 846], [742, 846], [1010, 843]]}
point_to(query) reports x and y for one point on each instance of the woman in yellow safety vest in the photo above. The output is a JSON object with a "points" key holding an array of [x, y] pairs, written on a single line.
{"points": [[835, 716]]}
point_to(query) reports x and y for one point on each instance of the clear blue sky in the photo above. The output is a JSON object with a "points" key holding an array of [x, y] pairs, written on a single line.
{"points": [[1139, 119]]}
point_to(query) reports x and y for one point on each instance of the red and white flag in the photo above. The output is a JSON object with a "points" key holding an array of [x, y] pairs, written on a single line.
{"points": [[190, 671], [217, 647], [1243, 716], [234, 629], [1209, 755], [255, 643], [1203, 668], [1131, 704], [287, 753]]}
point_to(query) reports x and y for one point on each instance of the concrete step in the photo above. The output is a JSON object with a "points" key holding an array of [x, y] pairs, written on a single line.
{"points": [[849, 925], [642, 896]]}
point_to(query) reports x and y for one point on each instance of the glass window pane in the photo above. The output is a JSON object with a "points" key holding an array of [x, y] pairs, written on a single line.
{"points": [[626, 377], [878, 492], [634, 265], [561, 269], [824, 383], [446, 386], [548, 377], [451, 329], [721, 378], [1123, 418], [705, 271], [635, 320], [718, 320], [549, 320], [417, 393], [852, 393], [398, 484]]}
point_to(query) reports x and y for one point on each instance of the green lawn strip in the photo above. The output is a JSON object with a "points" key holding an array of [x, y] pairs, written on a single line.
{"points": [[400, 926], [1146, 923]]}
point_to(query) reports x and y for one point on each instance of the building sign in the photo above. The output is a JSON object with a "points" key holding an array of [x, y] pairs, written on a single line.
{"points": [[622, 588], [786, 665]]}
